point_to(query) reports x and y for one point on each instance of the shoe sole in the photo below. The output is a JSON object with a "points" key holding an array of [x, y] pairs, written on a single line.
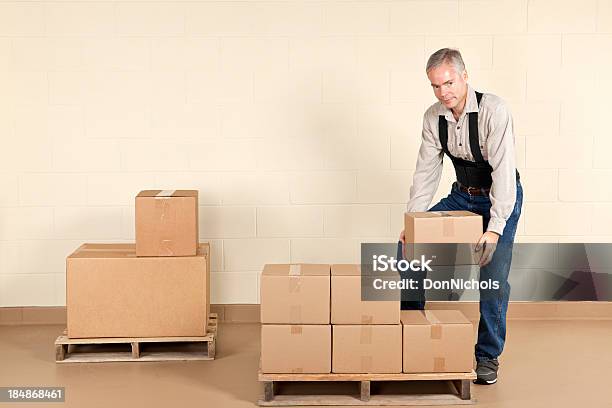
{"points": [[480, 381]]}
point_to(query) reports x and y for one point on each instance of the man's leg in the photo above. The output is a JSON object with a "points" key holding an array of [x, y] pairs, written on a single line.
{"points": [[494, 302]]}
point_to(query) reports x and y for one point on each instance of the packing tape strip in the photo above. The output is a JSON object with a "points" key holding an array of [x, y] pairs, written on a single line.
{"points": [[295, 314], [295, 283], [161, 206], [436, 326], [365, 334], [296, 329], [165, 194], [366, 364], [448, 223], [295, 270], [439, 364], [166, 246], [436, 331], [448, 227], [431, 317], [367, 319], [103, 249]]}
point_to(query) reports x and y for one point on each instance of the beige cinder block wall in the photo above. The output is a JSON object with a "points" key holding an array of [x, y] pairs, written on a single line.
{"points": [[298, 121]]}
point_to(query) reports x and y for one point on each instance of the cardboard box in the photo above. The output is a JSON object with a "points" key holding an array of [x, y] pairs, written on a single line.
{"points": [[112, 293], [347, 306], [295, 294], [435, 234], [367, 348], [437, 341], [295, 348], [167, 223]]}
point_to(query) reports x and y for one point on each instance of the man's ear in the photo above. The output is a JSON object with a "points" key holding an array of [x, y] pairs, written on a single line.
{"points": [[464, 75]]}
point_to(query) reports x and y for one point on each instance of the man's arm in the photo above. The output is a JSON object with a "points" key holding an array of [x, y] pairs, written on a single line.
{"points": [[428, 169], [501, 152]]}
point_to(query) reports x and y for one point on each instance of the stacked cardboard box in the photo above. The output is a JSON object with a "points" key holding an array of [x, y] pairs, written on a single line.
{"points": [[167, 223], [367, 335], [113, 291], [304, 306], [440, 340], [437, 341], [295, 331], [298, 303]]}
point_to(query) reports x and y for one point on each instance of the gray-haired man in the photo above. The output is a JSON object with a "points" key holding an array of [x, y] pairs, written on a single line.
{"points": [[475, 131]]}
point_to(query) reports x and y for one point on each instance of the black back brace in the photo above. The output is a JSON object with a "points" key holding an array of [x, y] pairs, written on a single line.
{"points": [[475, 173]]}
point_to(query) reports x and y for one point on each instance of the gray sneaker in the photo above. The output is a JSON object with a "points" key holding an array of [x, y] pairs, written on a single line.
{"points": [[486, 372]]}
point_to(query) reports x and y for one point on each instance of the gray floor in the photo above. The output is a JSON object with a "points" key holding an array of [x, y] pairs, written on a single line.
{"points": [[546, 363]]}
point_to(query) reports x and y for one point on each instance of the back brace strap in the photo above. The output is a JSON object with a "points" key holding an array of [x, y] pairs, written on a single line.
{"points": [[475, 173]]}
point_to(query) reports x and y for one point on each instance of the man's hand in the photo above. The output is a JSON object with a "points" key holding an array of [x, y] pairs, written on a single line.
{"points": [[486, 244], [403, 236]]}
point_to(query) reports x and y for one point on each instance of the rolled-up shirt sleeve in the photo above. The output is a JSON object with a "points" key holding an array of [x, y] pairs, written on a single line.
{"points": [[500, 149], [428, 169]]}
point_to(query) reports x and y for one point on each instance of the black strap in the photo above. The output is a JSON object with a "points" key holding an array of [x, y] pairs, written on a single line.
{"points": [[443, 134], [474, 139]]}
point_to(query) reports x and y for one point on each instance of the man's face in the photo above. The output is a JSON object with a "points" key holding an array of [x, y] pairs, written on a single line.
{"points": [[449, 86]]}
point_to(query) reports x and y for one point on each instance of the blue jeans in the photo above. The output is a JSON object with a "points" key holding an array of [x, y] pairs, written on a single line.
{"points": [[493, 303]]}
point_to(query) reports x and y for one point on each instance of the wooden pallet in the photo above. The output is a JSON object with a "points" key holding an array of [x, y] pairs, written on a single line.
{"points": [[101, 350], [457, 383]]}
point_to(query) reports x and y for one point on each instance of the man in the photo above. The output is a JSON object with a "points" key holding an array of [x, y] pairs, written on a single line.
{"points": [[475, 131]]}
